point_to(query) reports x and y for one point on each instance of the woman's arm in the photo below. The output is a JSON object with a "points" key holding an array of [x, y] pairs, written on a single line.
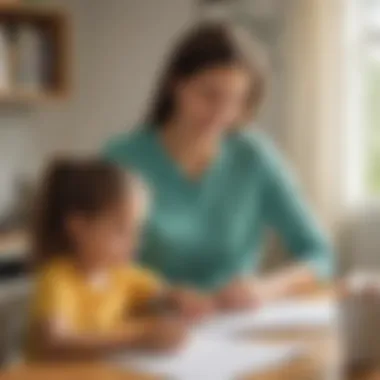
{"points": [[247, 292], [287, 213], [296, 279]]}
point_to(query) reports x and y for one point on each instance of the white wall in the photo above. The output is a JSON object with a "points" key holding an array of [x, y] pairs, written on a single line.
{"points": [[118, 45], [17, 151], [118, 48]]}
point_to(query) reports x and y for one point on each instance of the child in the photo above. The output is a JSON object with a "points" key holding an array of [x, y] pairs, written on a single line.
{"points": [[87, 292]]}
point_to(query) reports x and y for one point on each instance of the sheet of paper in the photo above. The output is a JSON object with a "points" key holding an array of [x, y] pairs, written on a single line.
{"points": [[211, 359], [287, 314]]}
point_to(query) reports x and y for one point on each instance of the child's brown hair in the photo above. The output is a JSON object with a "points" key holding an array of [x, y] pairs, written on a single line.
{"points": [[70, 186]]}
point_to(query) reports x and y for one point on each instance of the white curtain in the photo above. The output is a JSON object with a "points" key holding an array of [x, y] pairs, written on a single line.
{"points": [[314, 45]]}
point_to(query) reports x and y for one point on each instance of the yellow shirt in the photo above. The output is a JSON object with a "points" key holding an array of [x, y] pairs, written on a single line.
{"points": [[63, 292]]}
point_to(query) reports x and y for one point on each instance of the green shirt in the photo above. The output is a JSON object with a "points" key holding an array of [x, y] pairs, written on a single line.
{"points": [[205, 232]]}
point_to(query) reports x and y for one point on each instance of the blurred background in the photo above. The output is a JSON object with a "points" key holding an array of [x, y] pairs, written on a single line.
{"points": [[74, 72]]}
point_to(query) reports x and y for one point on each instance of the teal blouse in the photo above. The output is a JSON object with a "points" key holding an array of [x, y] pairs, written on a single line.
{"points": [[203, 233]]}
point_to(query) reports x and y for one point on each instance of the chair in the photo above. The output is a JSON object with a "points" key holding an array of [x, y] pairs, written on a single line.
{"points": [[360, 314], [13, 315]]}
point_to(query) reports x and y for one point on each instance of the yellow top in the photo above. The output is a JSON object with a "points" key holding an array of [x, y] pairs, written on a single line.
{"points": [[86, 306]]}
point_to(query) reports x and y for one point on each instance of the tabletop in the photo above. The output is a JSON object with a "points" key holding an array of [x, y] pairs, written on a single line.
{"points": [[321, 361]]}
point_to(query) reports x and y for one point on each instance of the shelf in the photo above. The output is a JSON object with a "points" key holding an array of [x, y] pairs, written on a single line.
{"points": [[13, 247], [28, 11], [32, 97], [53, 25]]}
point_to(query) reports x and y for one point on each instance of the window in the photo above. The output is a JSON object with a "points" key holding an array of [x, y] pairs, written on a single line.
{"points": [[370, 49], [362, 101]]}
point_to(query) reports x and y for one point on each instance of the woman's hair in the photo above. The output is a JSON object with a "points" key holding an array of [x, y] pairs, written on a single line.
{"points": [[72, 186], [206, 46]]}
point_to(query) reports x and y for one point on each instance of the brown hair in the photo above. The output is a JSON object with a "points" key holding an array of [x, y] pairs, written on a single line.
{"points": [[71, 186], [205, 46]]}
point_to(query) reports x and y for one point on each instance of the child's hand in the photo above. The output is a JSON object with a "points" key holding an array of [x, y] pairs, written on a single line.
{"points": [[165, 333], [239, 294], [193, 305]]}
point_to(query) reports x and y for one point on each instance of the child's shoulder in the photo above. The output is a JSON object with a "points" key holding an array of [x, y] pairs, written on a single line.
{"points": [[54, 270], [134, 271], [136, 275]]}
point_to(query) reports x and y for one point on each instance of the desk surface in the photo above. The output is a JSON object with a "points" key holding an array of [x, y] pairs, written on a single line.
{"points": [[322, 359]]}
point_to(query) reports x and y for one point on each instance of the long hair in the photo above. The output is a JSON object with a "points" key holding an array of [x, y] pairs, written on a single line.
{"points": [[205, 46]]}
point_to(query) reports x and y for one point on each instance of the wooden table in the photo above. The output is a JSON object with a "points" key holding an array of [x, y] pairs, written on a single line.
{"points": [[321, 361]]}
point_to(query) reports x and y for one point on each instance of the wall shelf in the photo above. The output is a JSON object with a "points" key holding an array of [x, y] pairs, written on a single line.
{"points": [[52, 24]]}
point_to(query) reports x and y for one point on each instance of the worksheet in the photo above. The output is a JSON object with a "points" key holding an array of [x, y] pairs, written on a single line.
{"points": [[211, 359], [283, 315], [217, 349]]}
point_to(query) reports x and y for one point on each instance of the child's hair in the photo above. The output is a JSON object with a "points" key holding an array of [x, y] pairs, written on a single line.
{"points": [[69, 186]]}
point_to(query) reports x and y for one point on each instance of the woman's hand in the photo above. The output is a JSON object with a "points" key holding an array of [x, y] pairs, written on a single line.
{"points": [[191, 304], [238, 295], [250, 292]]}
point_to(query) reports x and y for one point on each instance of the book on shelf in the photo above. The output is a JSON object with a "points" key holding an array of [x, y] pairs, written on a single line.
{"points": [[26, 58]]}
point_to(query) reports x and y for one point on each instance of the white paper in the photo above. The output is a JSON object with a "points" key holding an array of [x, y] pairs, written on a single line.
{"points": [[211, 359], [289, 314], [215, 352]]}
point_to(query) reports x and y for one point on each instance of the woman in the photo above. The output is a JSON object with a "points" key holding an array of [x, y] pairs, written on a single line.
{"points": [[216, 187]]}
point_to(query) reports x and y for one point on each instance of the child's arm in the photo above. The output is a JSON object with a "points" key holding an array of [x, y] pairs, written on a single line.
{"points": [[181, 302], [53, 338], [55, 343], [190, 303], [151, 296]]}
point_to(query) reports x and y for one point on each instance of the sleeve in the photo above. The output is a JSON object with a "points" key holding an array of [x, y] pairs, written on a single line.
{"points": [[288, 214], [51, 299]]}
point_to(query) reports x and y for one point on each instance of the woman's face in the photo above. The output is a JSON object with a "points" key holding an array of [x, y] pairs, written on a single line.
{"points": [[213, 99]]}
